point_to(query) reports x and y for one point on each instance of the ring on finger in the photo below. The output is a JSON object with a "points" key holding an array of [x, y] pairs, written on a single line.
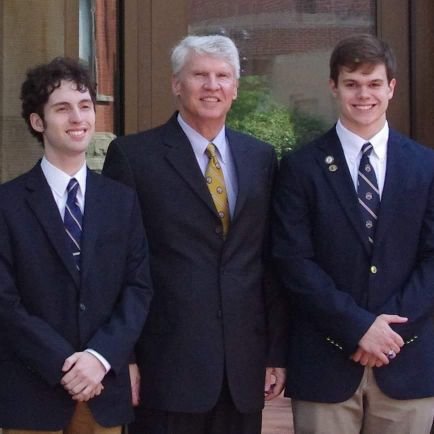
{"points": [[391, 354]]}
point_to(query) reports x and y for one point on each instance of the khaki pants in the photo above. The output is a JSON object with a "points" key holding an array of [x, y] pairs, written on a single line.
{"points": [[368, 411], [82, 422]]}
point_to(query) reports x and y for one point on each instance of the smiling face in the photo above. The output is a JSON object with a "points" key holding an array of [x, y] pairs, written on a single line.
{"points": [[68, 124], [205, 87], [363, 96]]}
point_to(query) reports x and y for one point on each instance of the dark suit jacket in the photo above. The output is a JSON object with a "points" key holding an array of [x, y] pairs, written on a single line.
{"points": [[47, 312], [323, 257], [210, 311]]}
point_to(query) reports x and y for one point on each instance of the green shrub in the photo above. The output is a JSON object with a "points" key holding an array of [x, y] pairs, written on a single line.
{"points": [[255, 112]]}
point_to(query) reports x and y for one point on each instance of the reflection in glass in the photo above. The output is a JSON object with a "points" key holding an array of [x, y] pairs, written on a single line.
{"points": [[284, 49]]}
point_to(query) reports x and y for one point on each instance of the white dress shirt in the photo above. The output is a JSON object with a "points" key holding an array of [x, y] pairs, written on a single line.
{"points": [[224, 156], [352, 147], [58, 182]]}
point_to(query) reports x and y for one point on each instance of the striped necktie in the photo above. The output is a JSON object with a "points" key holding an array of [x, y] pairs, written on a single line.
{"points": [[368, 193], [216, 185], [73, 221]]}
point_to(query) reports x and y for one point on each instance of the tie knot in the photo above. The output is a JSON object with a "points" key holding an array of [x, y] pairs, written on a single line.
{"points": [[72, 187], [367, 148], [211, 151]]}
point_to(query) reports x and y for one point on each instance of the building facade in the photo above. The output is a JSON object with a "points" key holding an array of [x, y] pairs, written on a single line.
{"points": [[284, 46]]}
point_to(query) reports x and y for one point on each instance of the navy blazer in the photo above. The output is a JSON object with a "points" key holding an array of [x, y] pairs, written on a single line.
{"points": [[212, 311], [336, 287], [48, 311]]}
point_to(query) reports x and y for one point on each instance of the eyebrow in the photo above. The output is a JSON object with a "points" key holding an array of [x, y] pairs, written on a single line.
{"points": [[85, 100], [357, 80]]}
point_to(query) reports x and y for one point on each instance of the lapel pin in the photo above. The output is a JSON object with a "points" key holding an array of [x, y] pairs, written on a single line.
{"points": [[329, 159], [333, 168]]}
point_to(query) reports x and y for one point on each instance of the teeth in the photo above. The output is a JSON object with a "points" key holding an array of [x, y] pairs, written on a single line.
{"points": [[210, 99], [76, 133]]}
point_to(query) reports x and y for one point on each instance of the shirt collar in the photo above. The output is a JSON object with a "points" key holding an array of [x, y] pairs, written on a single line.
{"points": [[199, 143], [352, 143], [58, 180]]}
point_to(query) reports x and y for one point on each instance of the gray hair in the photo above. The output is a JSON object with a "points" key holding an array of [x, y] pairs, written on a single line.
{"points": [[212, 45]]}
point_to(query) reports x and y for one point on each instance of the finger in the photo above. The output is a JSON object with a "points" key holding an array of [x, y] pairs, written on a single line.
{"points": [[397, 339], [364, 359], [268, 381], [382, 357], [86, 394], [69, 382], [357, 355], [69, 362], [394, 318], [395, 348], [272, 393], [372, 362], [378, 363], [278, 388], [135, 398], [79, 388]]}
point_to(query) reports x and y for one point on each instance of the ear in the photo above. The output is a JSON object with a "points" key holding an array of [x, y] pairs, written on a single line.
{"points": [[176, 85], [37, 123], [234, 97], [392, 85], [333, 87]]}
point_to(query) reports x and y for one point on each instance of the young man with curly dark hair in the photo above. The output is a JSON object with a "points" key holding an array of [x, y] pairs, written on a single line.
{"points": [[74, 281]]}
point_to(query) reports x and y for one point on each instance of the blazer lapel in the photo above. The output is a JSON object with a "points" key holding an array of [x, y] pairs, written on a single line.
{"points": [[93, 214], [334, 166], [243, 170], [398, 170], [41, 201], [181, 157]]}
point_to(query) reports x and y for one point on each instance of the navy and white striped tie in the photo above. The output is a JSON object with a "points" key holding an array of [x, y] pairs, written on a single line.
{"points": [[368, 193], [72, 220]]}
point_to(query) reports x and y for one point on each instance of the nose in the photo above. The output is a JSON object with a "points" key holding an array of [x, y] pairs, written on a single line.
{"points": [[363, 92], [75, 114], [211, 82]]}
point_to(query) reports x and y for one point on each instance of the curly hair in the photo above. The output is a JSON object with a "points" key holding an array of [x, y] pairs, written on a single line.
{"points": [[43, 79]]}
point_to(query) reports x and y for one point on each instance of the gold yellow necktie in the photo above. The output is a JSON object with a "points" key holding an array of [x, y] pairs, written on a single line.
{"points": [[216, 185]]}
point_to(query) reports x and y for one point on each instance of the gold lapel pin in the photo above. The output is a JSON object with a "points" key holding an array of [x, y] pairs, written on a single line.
{"points": [[333, 167]]}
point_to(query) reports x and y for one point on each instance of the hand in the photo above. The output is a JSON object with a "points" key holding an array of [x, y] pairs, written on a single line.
{"points": [[274, 382], [135, 384], [366, 359], [84, 373], [380, 338]]}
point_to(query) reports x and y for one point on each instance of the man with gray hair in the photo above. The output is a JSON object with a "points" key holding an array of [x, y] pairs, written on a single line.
{"points": [[216, 325]]}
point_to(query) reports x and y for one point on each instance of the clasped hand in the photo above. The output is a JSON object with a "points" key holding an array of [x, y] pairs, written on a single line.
{"points": [[379, 341], [83, 376]]}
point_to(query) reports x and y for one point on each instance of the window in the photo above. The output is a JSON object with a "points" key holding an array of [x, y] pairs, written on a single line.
{"points": [[98, 47], [284, 49]]}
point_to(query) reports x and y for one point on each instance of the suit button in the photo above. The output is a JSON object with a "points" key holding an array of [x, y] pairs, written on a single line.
{"points": [[373, 269], [218, 230], [82, 307], [219, 313]]}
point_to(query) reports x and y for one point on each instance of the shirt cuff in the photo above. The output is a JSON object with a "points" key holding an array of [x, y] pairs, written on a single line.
{"points": [[104, 362]]}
